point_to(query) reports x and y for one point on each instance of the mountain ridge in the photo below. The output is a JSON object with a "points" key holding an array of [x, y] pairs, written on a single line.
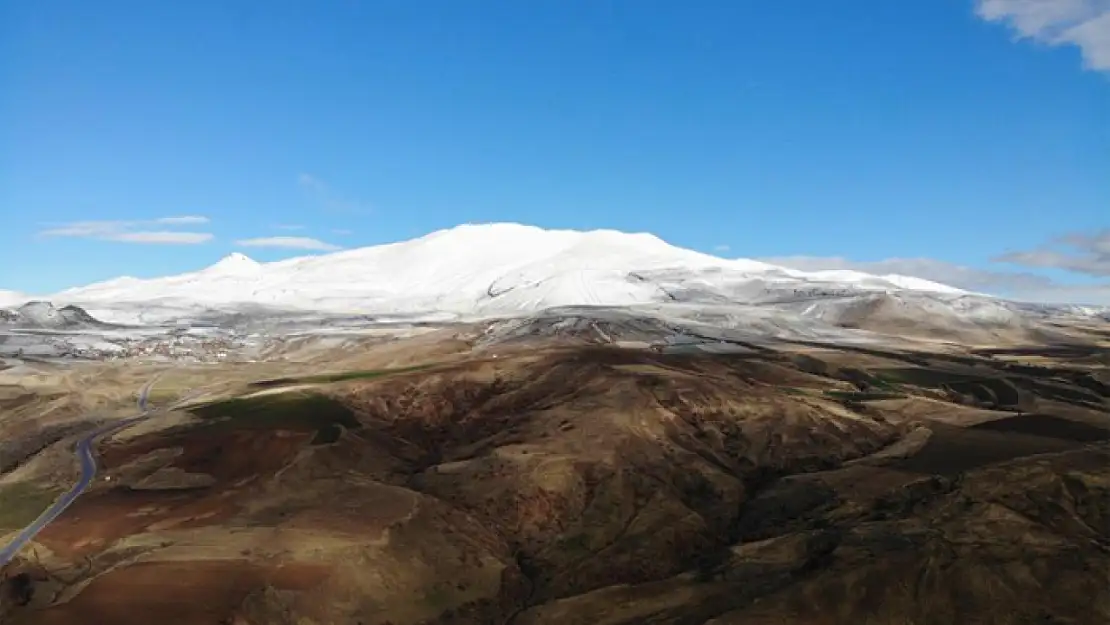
{"points": [[476, 268]]}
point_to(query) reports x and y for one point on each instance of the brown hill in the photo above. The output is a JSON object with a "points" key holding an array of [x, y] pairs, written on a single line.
{"points": [[604, 485]]}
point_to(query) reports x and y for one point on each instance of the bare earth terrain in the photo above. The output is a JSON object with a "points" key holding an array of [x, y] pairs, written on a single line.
{"points": [[554, 481]]}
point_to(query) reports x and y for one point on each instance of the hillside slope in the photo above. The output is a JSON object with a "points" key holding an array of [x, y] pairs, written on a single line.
{"points": [[583, 485]]}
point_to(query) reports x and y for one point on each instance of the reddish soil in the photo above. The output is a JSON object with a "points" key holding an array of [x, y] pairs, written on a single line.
{"points": [[228, 456], [235, 459], [98, 520], [181, 593]]}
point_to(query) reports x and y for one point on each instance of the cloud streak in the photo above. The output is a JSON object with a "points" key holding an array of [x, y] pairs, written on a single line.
{"points": [[291, 243], [133, 231], [323, 195], [1077, 252], [162, 237], [951, 274], [1018, 285], [183, 220], [1084, 24]]}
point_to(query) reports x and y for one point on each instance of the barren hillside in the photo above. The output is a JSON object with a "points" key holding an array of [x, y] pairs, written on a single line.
{"points": [[602, 485]]}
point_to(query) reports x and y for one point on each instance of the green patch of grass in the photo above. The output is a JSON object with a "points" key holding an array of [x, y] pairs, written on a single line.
{"points": [[439, 598], [988, 389], [576, 544], [341, 376], [21, 503], [864, 395], [328, 434], [360, 375], [926, 378], [886, 383], [163, 396], [296, 411]]}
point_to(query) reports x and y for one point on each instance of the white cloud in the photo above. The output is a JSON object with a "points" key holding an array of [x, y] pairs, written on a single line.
{"points": [[327, 198], [342, 231], [721, 248], [1013, 284], [1081, 23], [161, 236], [131, 231], [85, 229], [293, 243], [288, 227], [183, 220]]}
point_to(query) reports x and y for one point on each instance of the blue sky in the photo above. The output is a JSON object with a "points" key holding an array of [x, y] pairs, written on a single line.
{"points": [[934, 138]]}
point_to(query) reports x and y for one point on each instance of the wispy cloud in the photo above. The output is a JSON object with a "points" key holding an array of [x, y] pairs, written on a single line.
{"points": [[1077, 252], [1090, 256], [341, 231], [133, 231], [163, 236], [328, 198], [183, 220], [292, 243], [89, 229], [288, 227], [951, 274], [1081, 23], [311, 182], [721, 248]]}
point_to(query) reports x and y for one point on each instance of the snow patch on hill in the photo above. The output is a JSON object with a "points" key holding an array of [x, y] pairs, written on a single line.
{"points": [[40, 314]]}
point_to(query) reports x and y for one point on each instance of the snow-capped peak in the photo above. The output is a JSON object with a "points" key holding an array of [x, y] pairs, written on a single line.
{"points": [[234, 263], [486, 270]]}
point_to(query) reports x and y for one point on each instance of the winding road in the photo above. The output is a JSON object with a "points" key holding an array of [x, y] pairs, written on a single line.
{"points": [[85, 456]]}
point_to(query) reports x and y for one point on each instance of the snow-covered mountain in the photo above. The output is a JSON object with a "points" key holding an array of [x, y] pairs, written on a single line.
{"points": [[533, 276], [488, 270], [43, 315]]}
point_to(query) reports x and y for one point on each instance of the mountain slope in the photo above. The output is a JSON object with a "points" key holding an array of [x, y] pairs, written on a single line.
{"points": [[43, 315], [489, 269]]}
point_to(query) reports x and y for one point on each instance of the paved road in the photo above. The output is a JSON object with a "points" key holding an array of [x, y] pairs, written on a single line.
{"points": [[84, 452]]}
